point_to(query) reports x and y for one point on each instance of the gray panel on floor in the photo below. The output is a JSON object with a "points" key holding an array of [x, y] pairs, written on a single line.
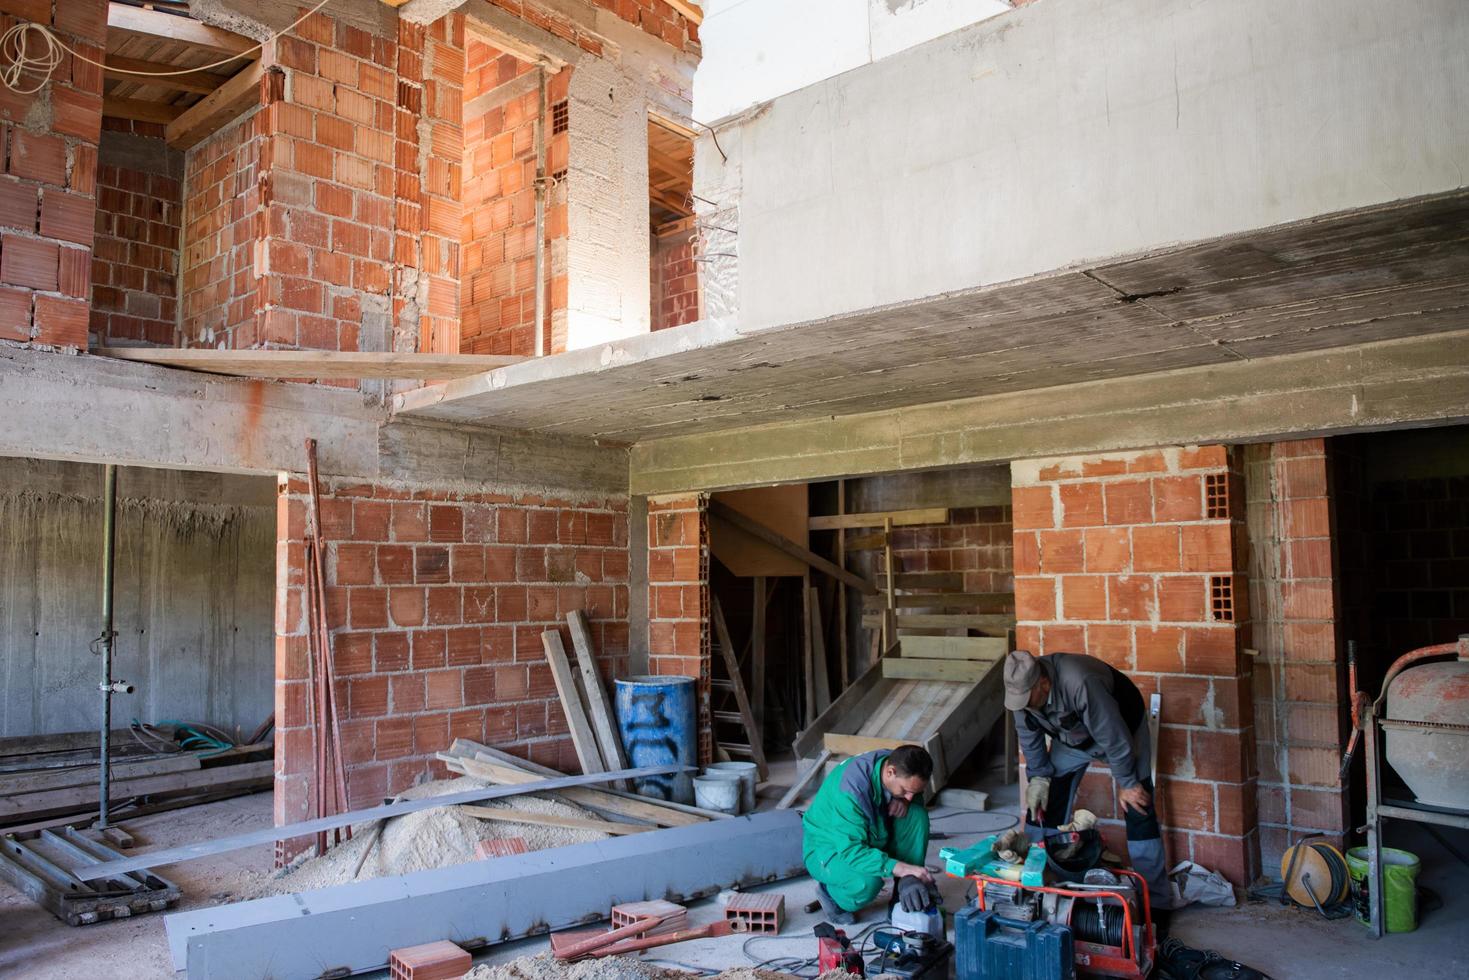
{"points": [[355, 926]]}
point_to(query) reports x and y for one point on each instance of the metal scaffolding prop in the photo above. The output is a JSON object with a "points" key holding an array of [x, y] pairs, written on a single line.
{"points": [[352, 928], [188, 852]]}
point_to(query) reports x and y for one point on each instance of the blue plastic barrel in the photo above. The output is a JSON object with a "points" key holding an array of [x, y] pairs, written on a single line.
{"points": [[657, 720]]}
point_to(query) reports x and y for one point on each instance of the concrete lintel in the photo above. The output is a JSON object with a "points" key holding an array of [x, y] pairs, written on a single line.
{"points": [[354, 927], [1411, 382], [100, 410], [505, 30]]}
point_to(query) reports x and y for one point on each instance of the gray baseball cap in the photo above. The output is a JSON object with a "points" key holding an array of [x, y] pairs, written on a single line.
{"points": [[1021, 672]]}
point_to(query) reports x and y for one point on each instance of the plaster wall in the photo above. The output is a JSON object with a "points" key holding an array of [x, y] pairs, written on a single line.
{"points": [[755, 50], [608, 253], [1066, 132], [194, 596]]}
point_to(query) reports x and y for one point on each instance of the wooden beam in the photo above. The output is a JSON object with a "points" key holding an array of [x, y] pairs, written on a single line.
{"points": [[803, 778], [678, 205], [140, 110], [690, 10], [204, 119], [156, 23], [583, 739], [954, 647], [991, 622], [198, 82], [857, 744], [314, 363], [900, 518], [723, 512], [987, 602], [598, 708], [552, 820], [910, 669], [676, 128]]}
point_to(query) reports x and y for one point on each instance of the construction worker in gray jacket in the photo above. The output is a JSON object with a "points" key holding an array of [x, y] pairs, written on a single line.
{"points": [[1090, 711]]}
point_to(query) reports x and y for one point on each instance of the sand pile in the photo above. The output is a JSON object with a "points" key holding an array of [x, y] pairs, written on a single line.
{"points": [[426, 839], [545, 967]]}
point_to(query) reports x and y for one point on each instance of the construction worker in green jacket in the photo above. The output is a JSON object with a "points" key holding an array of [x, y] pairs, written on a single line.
{"points": [[868, 823]]}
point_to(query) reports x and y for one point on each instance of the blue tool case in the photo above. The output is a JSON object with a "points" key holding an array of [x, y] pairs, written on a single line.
{"points": [[990, 948]]}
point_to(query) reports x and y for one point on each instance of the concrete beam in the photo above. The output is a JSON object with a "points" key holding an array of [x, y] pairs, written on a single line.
{"points": [[98, 410], [1412, 382], [353, 928]]}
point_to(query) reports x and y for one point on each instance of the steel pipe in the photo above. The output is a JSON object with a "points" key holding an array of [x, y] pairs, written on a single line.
{"points": [[109, 539]]}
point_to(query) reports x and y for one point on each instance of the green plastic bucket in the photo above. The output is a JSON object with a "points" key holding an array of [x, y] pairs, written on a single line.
{"points": [[1399, 887]]}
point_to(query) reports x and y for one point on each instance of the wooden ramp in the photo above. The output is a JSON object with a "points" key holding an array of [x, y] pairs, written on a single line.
{"points": [[941, 692]]}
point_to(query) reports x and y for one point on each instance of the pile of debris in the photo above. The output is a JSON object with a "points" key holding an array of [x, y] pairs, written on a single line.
{"points": [[545, 967]]}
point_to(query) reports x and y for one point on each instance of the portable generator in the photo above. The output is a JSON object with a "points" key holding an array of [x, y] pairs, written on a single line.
{"points": [[1106, 916]]}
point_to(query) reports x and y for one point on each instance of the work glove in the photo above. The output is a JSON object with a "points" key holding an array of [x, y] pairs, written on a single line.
{"points": [[1081, 820], [1012, 846], [913, 894], [1037, 789]]}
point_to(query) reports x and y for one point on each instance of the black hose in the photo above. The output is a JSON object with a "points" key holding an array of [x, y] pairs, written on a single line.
{"points": [[1092, 922]]}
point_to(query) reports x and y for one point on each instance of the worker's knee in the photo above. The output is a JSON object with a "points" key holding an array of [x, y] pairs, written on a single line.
{"points": [[863, 891]]}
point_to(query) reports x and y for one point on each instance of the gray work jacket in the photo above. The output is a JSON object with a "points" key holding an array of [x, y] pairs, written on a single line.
{"points": [[1092, 707]]}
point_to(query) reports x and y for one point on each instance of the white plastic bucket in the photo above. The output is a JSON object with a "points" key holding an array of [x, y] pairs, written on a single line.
{"points": [[720, 793], [748, 773]]}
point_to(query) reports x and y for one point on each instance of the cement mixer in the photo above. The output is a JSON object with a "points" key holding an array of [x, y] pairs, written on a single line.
{"points": [[1424, 711]]}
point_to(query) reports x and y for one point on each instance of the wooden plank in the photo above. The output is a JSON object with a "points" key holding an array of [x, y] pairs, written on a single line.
{"points": [[910, 668], [858, 744], [15, 807], [210, 113], [583, 739], [945, 698], [843, 657], [893, 700], [925, 581], [17, 783], [156, 23], [734, 518], [993, 623], [900, 518], [165, 76], [551, 820], [984, 602], [866, 542], [842, 710], [954, 647], [732, 666], [19, 745], [690, 10], [315, 364], [926, 698], [188, 852], [889, 609], [479, 761], [598, 707], [803, 778], [140, 110], [757, 654], [818, 654]]}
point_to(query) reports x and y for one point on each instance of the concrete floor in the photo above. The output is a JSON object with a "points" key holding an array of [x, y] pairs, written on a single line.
{"points": [[1285, 943]]}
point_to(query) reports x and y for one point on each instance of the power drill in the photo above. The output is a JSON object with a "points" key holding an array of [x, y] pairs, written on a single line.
{"points": [[834, 950]]}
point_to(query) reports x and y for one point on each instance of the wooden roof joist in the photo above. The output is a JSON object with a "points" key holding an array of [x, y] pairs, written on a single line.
{"points": [[175, 27], [314, 364]]}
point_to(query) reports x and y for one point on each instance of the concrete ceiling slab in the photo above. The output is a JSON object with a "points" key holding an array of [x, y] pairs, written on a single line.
{"points": [[1394, 271]]}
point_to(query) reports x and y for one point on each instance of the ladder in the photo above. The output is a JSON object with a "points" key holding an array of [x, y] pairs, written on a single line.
{"points": [[733, 684]]}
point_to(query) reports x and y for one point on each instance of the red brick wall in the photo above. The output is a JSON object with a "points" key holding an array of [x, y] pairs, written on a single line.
{"points": [[678, 598], [437, 602], [978, 541], [221, 204], [1115, 556], [48, 144], [1300, 684], [675, 281], [655, 17], [135, 259], [498, 229]]}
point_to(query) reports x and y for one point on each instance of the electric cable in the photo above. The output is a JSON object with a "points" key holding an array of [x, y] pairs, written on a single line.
{"points": [[32, 49]]}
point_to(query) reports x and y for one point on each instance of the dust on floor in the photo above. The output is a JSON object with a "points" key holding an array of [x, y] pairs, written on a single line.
{"points": [[546, 967], [426, 839]]}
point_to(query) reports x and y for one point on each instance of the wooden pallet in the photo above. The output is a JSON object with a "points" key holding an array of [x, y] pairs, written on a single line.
{"points": [[941, 692]]}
